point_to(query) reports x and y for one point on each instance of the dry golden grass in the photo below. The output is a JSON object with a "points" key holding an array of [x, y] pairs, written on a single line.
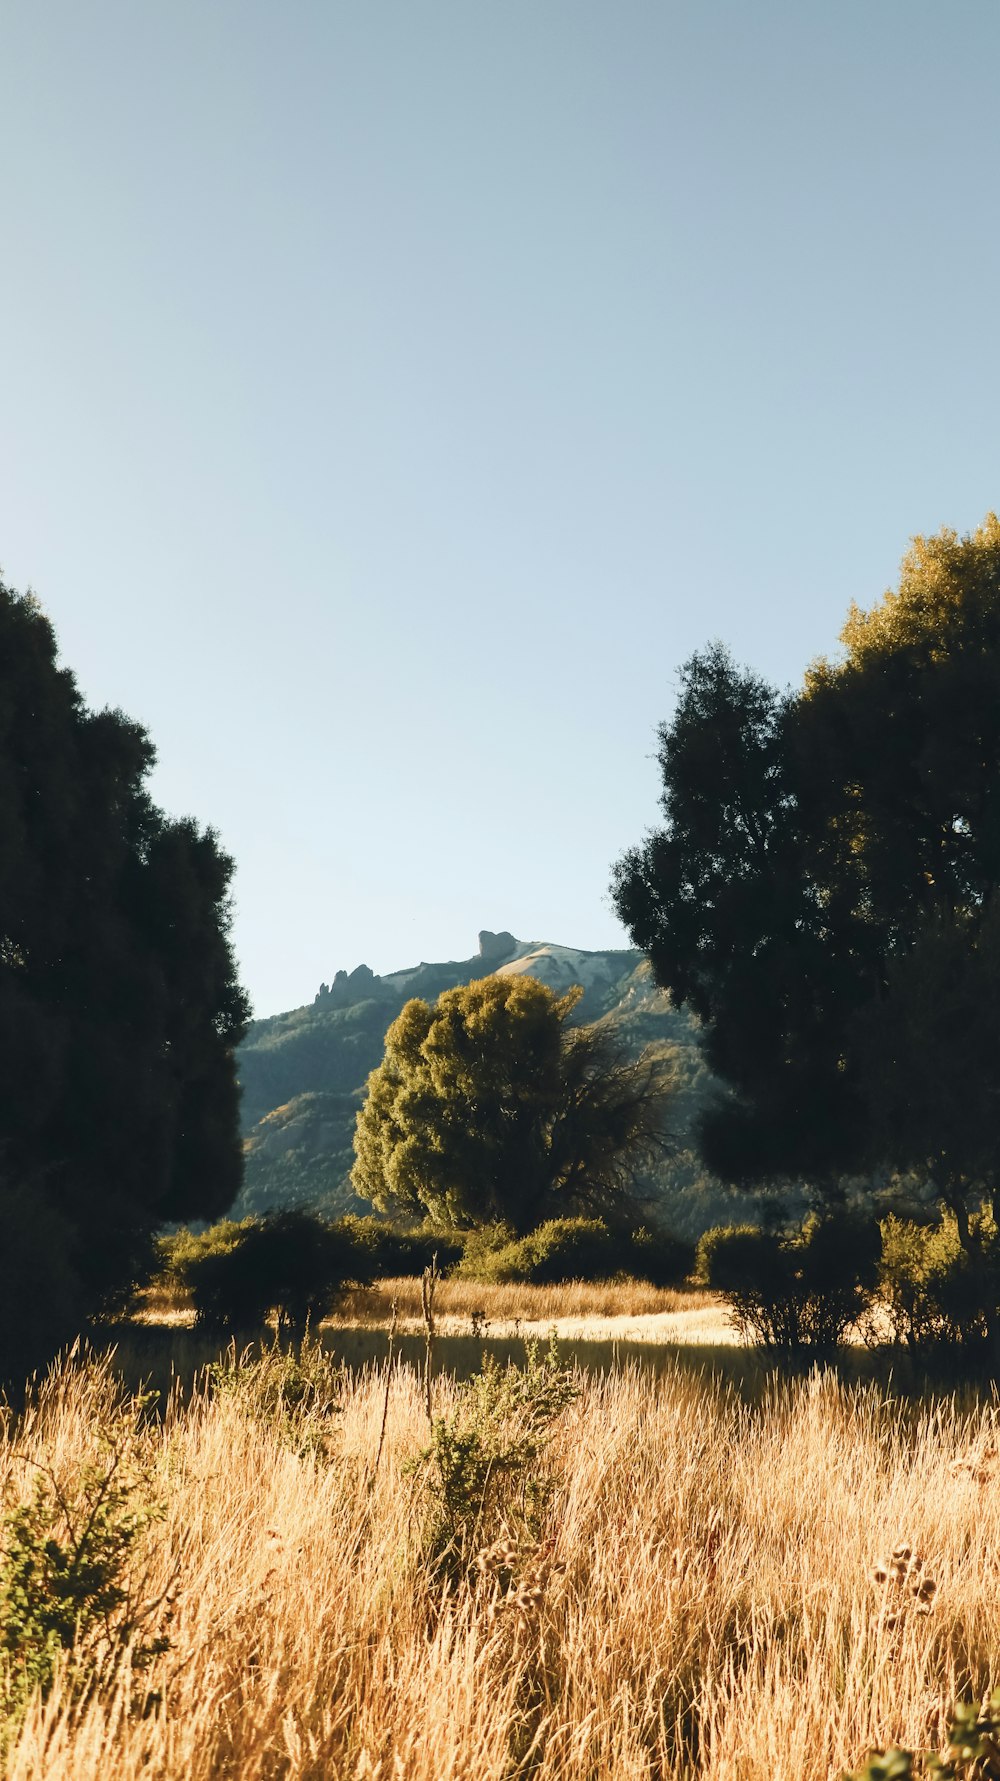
{"points": [[716, 1616], [502, 1306]]}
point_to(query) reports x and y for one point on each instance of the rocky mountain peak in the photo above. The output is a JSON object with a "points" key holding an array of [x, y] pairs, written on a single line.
{"points": [[493, 948]]}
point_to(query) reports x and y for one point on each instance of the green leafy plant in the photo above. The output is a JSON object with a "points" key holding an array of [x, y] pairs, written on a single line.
{"points": [[296, 1390], [384, 1249], [972, 1751], [936, 1292], [70, 1583], [576, 1249], [484, 1462], [292, 1264]]}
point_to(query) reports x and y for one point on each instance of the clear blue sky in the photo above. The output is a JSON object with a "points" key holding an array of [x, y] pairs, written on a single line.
{"points": [[394, 395]]}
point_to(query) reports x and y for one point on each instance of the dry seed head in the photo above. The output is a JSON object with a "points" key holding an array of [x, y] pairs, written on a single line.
{"points": [[501, 1556]]}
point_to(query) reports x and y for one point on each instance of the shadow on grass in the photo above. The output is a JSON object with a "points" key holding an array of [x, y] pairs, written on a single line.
{"points": [[168, 1358]]}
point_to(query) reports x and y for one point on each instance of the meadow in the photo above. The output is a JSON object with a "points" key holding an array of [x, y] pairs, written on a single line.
{"points": [[666, 1573]]}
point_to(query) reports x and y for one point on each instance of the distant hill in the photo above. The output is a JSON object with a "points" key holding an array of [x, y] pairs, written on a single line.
{"points": [[304, 1072]]}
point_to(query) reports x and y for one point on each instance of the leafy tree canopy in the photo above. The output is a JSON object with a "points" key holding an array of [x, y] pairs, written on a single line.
{"points": [[119, 1002], [489, 1107], [823, 891]]}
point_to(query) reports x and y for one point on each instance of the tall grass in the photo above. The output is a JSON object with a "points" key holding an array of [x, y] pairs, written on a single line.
{"points": [[716, 1614]]}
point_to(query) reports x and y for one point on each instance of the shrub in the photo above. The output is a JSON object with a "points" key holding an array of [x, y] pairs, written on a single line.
{"points": [[711, 1240], [182, 1248], [972, 1750], [800, 1290], [386, 1251], [293, 1264], [936, 1292], [296, 1391], [836, 1262], [660, 1257], [68, 1579], [481, 1247], [576, 1249], [483, 1463]]}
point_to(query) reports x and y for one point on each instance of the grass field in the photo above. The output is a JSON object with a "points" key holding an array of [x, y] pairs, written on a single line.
{"points": [[459, 1300], [702, 1598]]}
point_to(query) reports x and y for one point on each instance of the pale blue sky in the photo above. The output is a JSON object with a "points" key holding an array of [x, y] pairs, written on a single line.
{"points": [[393, 396]]}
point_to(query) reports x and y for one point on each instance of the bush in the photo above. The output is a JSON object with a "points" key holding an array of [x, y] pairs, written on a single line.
{"points": [[480, 1248], [293, 1264], [181, 1249], [563, 1249], [800, 1290], [971, 1752], [660, 1257], [386, 1251], [296, 1391], [718, 1237], [935, 1292], [576, 1249], [488, 1488], [72, 1583]]}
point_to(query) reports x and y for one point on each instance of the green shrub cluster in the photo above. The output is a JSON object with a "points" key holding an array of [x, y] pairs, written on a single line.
{"points": [[937, 1293], [483, 1465], [292, 1266], [805, 1288], [972, 1751], [182, 1249], [74, 1589], [576, 1249], [800, 1289], [296, 1391], [385, 1251]]}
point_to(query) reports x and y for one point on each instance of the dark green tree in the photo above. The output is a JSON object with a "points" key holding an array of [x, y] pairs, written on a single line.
{"points": [[119, 1003], [488, 1107], [822, 891], [724, 903]]}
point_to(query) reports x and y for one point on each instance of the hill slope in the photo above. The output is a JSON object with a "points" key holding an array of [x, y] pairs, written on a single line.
{"points": [[304, 1072]]}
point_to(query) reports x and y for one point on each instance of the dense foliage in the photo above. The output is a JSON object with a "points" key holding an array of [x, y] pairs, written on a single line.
{"points": [[577, 1249], [292, 1265], [823, 894], [801, 1289], [487, 1107], [119, 1003]]}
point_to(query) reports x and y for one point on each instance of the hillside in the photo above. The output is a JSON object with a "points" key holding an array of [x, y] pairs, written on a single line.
{"points": [[304, 1072]]}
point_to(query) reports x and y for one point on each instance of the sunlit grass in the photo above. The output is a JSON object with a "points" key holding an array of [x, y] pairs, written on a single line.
{"points": [[717, 1615], [460, 1302], [502, 1306]]}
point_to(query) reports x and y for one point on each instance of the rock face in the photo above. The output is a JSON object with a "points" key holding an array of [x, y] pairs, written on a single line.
{"points": [[347, 988], [494, 948], [304, 1073]]}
